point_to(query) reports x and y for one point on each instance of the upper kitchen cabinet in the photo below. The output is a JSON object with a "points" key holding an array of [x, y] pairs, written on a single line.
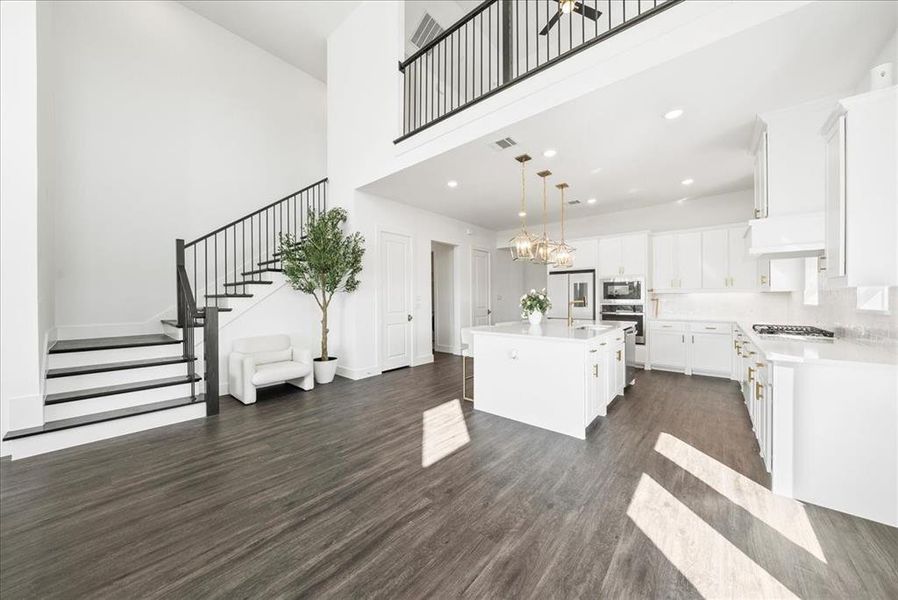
{"points": [[726, 264], [623, 255], [585, 253], [677, 261], [861, 193], [789, 181]]}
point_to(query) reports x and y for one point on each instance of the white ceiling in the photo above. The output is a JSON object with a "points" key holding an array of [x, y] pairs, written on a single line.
{"points": [[294, 31], [810, 53]]}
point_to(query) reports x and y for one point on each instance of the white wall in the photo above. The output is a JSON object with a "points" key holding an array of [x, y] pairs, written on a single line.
{"points": [[165, 125], [20, 351], [444, 297], [697, 212], [46, 210]]}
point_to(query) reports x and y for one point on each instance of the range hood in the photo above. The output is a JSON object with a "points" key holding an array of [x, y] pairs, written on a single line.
{"points": [[791, 236]]}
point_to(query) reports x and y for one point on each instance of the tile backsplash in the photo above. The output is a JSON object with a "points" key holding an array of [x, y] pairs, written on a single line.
{"points": [[837, 311], [750, 307]]}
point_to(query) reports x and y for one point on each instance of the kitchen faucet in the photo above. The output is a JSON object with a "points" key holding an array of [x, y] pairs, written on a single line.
{"points": [[570, 306]]}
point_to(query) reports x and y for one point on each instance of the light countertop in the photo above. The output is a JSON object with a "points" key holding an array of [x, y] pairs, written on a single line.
{"points": [[552, 329], [837, 351]]}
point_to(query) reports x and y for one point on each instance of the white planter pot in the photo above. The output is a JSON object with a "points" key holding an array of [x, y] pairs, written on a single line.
{"points": [[535, 318], [325, 370]]}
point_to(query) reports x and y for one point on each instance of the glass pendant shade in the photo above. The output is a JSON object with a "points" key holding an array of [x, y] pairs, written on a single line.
{"points": [[563, 256], [543, 247], [522, 243]]}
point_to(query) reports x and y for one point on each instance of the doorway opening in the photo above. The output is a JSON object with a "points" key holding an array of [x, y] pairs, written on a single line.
{"points": [[443, 320]]}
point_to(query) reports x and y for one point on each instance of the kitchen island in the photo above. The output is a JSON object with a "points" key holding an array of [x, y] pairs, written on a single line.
{"points": [[552, 375]]}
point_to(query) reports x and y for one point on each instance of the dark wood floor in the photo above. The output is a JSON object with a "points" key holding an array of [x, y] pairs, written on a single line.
{"points": [[322, 494]]}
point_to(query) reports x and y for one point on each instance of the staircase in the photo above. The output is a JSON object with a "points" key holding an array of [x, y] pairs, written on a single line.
{"points": [[100, 388]]}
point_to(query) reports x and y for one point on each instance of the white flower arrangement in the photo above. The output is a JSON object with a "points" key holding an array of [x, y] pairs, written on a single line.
{"points": [[533, 302]]}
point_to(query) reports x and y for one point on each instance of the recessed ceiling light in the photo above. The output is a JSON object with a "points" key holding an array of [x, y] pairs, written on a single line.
{"points": [[549, 153], [452, 183], [596, 170], [673, 114], [591, 201], [687, 181], [522, 214], [682, 200]]}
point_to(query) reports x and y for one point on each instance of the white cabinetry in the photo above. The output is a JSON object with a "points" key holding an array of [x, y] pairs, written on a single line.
{"points": [[710, 345], [585, 253], [623, 255], [677, 261], [667, 345], [761, 175], [726, 263], [861, 190], [781, 274]]}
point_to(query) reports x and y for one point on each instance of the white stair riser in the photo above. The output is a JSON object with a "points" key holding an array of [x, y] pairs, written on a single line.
{"points": [[88, 406], [82, 382], [99, 357], [57, 440]]}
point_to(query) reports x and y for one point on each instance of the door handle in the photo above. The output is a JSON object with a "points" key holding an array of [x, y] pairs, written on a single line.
{"points": [[489, 311], [409, 317]]}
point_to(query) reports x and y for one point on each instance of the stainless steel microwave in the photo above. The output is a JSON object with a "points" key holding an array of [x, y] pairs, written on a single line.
{"points": [[623, 290]]}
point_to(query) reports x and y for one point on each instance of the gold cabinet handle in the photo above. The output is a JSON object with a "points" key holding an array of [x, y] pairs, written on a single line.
{"points": [[757, 214], [594, 350], [763, 280], [595, 370], [758, 388], [751, 376], [618, 356]]}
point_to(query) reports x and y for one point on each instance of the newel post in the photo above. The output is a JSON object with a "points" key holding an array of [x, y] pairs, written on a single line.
{"points": [[179, 262]]}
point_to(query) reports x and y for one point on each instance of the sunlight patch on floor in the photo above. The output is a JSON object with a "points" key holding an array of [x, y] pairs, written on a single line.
{"points": [[444, 432], [711, 563], [785, 515]]}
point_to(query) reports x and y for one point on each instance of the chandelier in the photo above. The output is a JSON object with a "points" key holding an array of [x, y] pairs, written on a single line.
{"points": [[543, 247], [522, 243], [564, 254]]}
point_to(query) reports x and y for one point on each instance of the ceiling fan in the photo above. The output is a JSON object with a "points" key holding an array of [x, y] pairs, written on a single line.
{"points": [[568, 6]]}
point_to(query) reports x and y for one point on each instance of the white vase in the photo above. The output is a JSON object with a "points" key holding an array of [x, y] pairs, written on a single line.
{"points": [[535, 318], [325, 370]]}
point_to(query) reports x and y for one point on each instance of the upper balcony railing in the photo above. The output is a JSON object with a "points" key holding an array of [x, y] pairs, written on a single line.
{"points": [[502, 42]]}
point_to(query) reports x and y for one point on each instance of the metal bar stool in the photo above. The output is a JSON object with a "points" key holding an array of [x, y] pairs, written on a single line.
{"points": [[467, 351]]}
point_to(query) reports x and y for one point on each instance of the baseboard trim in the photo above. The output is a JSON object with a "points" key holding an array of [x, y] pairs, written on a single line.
{"points": [[447, 349], [356, 374]]}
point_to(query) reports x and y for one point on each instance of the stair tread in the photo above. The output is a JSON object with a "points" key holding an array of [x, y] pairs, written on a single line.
{"points": [[117, 366], [101, 417], [220, 309], [112, 343], [268, 262], [174, 323], [120, 388], [250, 282], [229, 295], [265, 270]]}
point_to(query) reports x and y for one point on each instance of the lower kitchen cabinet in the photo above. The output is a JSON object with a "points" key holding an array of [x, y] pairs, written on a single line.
{"points": [[711, 353], [667, 346]]}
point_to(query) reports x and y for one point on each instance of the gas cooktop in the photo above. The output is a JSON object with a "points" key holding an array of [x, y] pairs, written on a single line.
{"points": [[803, 332]]}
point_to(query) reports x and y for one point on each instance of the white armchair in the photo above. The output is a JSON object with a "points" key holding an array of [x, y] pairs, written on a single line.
{"points": [[264, 360]]}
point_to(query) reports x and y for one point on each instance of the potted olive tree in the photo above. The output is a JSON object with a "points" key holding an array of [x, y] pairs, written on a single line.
{"points": [[321, 263]]}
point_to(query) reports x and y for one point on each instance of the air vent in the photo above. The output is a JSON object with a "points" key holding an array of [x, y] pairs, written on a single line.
{"points": [[573, 202], [427, 30], [503, 144]]}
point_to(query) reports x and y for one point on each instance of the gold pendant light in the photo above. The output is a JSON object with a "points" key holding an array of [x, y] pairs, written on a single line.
{"points": [[563, 256], [522, 243], [543, 247]]}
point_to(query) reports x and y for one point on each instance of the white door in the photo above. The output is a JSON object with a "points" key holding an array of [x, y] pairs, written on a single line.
{"points": [[395, 301], [689, 260], [480, 287], [743, 266], [633, 251], [610, 257], [715, 249], [663, 260]]}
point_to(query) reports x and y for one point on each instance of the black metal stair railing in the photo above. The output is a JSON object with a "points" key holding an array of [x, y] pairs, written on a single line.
{"points": [[502, 42], [227, 262]]}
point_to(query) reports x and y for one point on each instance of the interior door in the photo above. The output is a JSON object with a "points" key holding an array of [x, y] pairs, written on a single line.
{"points": [[480, 287], [395, 300]]}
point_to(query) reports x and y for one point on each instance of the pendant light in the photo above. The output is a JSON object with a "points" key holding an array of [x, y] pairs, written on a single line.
{"points": [[543, 247], [522, 243], [564, 254]]}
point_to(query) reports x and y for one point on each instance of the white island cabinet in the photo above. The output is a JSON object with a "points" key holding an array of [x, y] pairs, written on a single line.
{"points": [[552, 376]]}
